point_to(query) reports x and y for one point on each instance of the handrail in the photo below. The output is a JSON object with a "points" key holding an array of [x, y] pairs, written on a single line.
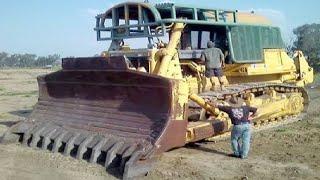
{"points": [[162, 15]]}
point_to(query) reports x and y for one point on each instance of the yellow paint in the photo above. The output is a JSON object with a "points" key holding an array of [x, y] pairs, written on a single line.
{"points": [[204, 104], [276, 67], [305, 72], [277, 106], [190, 80], [190, 135], [168, 61], [182, 93]]}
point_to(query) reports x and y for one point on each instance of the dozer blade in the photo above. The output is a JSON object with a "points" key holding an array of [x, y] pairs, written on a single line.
{"points": [[99, 110]]}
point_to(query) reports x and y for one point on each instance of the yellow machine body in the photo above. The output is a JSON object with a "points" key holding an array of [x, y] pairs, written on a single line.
{"points": [[275, 103], [277, 67]]}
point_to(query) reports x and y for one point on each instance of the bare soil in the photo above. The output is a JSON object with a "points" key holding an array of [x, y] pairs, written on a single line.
{"points": [[286, 152]]}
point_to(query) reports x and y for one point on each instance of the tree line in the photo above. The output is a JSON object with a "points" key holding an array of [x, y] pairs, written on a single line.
{"points": [[26, 60], [308, 41]]}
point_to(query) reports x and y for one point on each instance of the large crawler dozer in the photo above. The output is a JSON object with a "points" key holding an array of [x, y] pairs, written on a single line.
{"points": [[129, 105]]}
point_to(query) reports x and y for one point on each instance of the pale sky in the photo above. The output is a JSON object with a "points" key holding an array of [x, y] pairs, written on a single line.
{"points": [[66, 26]]}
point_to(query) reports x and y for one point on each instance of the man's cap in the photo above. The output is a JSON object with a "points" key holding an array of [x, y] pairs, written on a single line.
{"points": [[210, 44], [236, 101]]}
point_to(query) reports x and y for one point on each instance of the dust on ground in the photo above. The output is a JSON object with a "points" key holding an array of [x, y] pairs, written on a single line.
{"points": [[286, 152]]}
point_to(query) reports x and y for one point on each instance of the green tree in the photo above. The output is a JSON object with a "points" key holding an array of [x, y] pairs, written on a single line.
{"points": [[53, 58], [26, 60], [308, 40], [3, 57], [12, 61]]}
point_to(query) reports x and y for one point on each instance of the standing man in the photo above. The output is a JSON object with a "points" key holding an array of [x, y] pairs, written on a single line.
{"points": [[241, 116], [214, 61]]}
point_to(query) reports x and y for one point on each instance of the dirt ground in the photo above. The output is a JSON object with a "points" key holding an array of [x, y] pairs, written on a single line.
{"points": [[286, 152]]}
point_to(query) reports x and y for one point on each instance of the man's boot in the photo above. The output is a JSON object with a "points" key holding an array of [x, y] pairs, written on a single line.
{"points": [[204, 83], [215, 84], [223, 81], [222, 87]]}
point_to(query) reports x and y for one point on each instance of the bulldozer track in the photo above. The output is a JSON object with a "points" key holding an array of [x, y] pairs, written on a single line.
{"points": [[242, 89], [270, 124]]}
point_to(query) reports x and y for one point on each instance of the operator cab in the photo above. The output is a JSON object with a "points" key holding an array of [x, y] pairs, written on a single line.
{"points": [[195, 38], [242, 37]]}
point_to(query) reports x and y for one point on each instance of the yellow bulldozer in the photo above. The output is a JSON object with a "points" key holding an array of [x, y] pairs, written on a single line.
{"points": [[129, 105]]}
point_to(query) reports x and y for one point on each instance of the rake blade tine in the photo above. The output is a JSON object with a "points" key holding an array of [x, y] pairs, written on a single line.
{"points": [[58, 142], [96, 150], [26, 136], [83, 147], [46, 139], [132, 168], [70, 144], [111, 154], [126, 155], [36, 137]]}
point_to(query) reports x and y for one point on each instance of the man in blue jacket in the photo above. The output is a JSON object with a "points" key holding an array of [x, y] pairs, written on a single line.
{"points": [[240, 115]]}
